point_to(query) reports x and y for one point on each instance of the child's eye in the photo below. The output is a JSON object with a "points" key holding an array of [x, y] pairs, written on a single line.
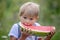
{"points": [[25, 17], [31, 18]]}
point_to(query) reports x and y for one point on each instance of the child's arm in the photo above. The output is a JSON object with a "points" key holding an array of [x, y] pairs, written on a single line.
{"points": [[12, 38], [22, 38]]}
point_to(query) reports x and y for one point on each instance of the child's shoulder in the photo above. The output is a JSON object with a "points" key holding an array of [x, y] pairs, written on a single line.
{"points": [[15, 25], [14, 30], [37, 24]]}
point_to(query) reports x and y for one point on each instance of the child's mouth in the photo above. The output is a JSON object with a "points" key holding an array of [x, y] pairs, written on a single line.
{"points": [[26, 24]]}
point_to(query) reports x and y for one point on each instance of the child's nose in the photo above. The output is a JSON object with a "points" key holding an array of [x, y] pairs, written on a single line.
{"points": [[27, 21]]}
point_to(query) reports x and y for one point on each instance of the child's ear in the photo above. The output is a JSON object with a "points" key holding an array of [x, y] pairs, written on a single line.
{"points": [[37, 17]]}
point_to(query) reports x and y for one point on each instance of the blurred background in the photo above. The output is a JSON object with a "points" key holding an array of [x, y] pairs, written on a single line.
{"points": [[49, 15]]}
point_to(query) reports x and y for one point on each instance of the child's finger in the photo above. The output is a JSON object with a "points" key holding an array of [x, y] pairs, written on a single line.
{"points": [[28, 31], [51, 34], [21, 29]]}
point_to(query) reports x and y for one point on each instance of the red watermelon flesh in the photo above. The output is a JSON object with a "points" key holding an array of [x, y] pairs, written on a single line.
{"points": [[40, 28]]}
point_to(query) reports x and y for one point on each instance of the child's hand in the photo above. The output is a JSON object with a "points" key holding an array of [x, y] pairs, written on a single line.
{"points": [[24, 34], [50, 35]]}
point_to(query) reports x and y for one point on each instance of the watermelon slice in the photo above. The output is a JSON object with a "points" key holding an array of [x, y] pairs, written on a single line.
{"points": [[38, 30]]}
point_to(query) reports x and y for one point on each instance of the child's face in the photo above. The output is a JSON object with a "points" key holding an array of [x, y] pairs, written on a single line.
{"points": [[28, 21]]}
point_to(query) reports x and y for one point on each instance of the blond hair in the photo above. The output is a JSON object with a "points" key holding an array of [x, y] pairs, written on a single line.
{"points": [[30, 8]]}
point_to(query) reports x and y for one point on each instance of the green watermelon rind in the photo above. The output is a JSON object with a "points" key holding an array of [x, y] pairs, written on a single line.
{"points": [[35, 32], [40, 33]]}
